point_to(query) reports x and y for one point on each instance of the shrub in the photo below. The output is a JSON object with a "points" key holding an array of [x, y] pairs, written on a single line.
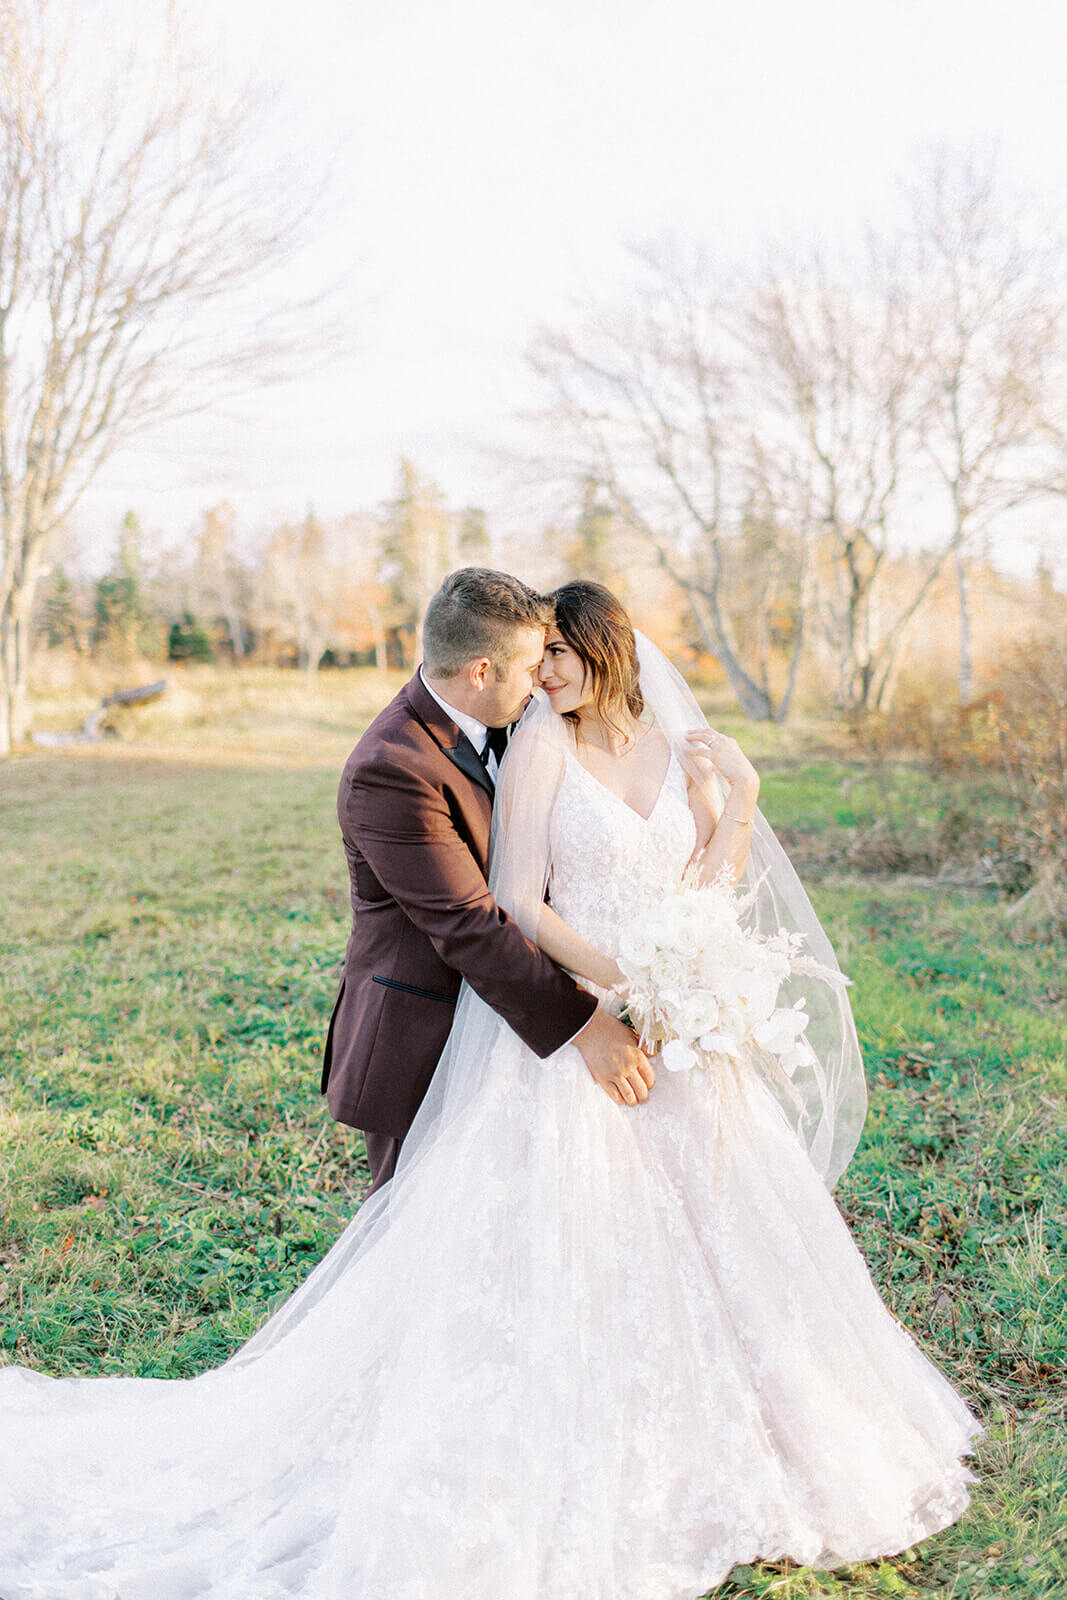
{"points": [[188, 641], [1009, 749], [1029, 724]]}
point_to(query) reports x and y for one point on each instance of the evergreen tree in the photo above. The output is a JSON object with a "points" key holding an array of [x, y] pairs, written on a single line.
{"points": [[475, 548], [592, 552], [120, 612], [59, 623], [188, 641], [416, 553]]}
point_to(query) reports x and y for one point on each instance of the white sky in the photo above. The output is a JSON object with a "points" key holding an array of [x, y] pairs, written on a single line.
{"points": [[498, 154]]}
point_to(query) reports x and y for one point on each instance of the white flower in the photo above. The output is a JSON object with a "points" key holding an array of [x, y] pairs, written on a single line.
{"points": [[801, 1055], [696, 975], [733, 1023], [657, 923], [668, 971], [689, 937], [778, 963], [761, 995], [677, 1057], [781, 1031], [699, 1013], [720, 1044], [637, 948]]}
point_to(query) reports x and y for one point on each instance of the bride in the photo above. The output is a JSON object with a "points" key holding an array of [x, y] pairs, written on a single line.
{"points": [[574, 1350]]}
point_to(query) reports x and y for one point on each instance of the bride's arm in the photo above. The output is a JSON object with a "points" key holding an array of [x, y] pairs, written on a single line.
{"points": [[569, 950], [724, 842]]}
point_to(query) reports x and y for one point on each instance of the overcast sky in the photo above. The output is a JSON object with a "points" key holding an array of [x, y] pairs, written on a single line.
{"points": [[495, 158]]}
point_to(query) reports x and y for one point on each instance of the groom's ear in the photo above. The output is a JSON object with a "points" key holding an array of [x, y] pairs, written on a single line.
{"points": [[480, 670]]}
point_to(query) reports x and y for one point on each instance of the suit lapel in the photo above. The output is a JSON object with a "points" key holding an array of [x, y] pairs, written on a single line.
{"points": [[467, 759], [452, 740]]}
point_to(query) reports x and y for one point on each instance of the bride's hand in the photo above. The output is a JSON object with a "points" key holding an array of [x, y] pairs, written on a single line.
{"points": [[725, 756]]}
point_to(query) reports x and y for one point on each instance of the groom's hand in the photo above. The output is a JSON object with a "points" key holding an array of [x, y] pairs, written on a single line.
{"points": [[614, 1058]]}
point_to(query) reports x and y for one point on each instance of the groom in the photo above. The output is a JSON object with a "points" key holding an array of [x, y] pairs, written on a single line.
{"points": [[415, 805]]}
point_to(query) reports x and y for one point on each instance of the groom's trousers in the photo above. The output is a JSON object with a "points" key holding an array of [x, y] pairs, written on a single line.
{"points": [[382, 1151]]}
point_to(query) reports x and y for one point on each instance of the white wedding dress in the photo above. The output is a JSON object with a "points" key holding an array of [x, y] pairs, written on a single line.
{"points": [[573, 1352]]}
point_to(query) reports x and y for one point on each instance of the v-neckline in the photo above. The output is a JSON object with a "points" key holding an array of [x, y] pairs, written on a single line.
{"points": [[625, 803]]}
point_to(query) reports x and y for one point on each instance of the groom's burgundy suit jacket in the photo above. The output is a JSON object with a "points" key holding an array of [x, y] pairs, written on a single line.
{"points": [[415, 805]]}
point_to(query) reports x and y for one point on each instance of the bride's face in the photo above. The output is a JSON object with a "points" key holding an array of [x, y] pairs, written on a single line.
{"points": [[564, 676]]}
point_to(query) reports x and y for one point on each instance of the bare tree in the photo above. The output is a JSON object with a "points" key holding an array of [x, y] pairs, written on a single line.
{"points": [[135, 209], [837, 373], [297, 595], [780, 441], [644, 402], [318, 589], [220, 584], [992, 293], [365, 596]]}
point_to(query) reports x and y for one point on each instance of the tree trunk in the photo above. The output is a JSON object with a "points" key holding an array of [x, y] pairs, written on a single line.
{"points": [[15, 663], [965, 627], [5, 719], [311, 653], [782, 709], [851, 637], [754, 701], [14, 697], [381, 643], [233, 628]]}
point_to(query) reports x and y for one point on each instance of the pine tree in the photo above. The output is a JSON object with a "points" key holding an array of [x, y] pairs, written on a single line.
{"points": [[120, 612], [59, 623], [417, 552]]}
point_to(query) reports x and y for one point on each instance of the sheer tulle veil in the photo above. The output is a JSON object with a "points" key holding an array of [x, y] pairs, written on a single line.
{"points": [[824, 1104]]}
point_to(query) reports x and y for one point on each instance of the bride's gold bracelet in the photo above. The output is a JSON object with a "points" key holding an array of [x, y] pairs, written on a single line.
{"points": [[740, 822]]}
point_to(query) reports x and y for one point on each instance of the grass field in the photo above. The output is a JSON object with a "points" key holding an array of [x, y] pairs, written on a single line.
{"points": [[174, 908]]}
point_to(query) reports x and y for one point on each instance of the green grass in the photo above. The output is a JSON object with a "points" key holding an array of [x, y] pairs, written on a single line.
{"points": [[173, 918], [171, 951]]}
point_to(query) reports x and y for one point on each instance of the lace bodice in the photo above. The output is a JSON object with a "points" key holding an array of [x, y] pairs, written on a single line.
{"points": [[608, 862]]}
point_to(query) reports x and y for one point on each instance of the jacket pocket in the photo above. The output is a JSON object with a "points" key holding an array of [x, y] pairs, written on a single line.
{"points": [[410, 988]]}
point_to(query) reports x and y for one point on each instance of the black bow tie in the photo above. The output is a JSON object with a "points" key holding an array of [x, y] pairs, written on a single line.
{"points": [[496, 743]]}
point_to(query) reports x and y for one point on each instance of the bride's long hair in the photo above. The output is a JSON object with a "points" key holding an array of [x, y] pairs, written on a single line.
{"points": [[595, 625]]}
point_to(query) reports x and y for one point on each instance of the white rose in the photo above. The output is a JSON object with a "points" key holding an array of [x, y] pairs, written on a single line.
{"points": [[637, 947], [668, 971], [698, 1014], [718, 963], [733, 1024], [714, 911], [658, 923], [690, 937]]}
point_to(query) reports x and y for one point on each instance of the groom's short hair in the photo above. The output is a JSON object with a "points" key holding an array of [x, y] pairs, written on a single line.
{"points": [[477, 612]]}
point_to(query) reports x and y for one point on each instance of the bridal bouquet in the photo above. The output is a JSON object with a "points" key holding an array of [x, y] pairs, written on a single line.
{"points": [[700, 985]]}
